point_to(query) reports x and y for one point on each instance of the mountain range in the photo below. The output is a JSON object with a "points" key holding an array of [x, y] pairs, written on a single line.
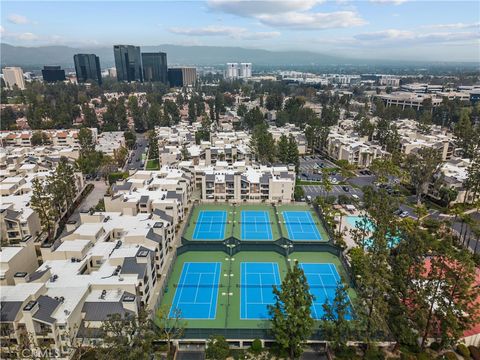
{"points": [[32, 58], [176, 54]]}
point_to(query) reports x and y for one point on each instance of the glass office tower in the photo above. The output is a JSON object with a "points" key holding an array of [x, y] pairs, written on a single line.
{"points": [[128, 63], [155, 67], [87, 67]]}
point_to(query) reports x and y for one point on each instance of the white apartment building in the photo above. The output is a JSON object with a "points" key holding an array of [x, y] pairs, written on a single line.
{"points": [[452, 175], [411, 139], [287, 130], [18, 221], [15, 260], [254, 184], [356, 150], [165, 193], [13, 76], [238, 71]]}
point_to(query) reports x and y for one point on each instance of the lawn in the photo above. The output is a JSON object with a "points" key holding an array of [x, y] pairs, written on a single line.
{"points": [[153, 164]]}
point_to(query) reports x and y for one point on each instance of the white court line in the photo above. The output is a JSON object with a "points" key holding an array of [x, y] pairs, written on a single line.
{"points": [[211, 295], [199, 221], [198, 287], [183, 284]]}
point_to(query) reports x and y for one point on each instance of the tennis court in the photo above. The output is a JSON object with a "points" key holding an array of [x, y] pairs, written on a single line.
{"points": [[301, 226], [255, 225], [323, 280], [197, 291], [210, 225], [256, 283]]}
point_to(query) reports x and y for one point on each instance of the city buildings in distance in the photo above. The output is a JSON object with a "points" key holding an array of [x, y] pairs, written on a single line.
{"points": [[182, 76], [87, 68], [128, 63], [53, 73], [13, 76], [155, 67]]}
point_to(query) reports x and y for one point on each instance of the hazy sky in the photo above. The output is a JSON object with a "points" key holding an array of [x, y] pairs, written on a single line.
{"points": [[399, 29]]}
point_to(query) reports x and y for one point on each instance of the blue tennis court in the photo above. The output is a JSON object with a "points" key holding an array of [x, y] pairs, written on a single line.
{"points": [[301, 226], [323, 280], [256, 283], [197, 291], [210, 225], [256, 225]]}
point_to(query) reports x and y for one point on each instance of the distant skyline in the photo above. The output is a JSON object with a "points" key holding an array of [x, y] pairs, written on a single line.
{"points": [[395, 29]]}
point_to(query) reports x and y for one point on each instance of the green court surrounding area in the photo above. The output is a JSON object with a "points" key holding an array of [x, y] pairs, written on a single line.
{"points": [[254, 222], [302, 207], [198, 209], [228, 314]]}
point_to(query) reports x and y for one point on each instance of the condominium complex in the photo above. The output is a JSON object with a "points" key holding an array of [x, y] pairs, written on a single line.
{"points": [[238, 71]]}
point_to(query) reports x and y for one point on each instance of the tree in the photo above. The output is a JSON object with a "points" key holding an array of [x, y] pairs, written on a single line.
{"points": [[293, 157], [242, 110], [253, 118], [130, 139], [39, 138], [421, 166], [274, 102], [466, 135], [120, 155], [337, 319], [169, 327], [292, 323], [283, 149], [126, 337], [85, 139], [152, 145], [217, 348], [192, 115], [42, 203], [89, 117], [262, 143], [8, 117]]}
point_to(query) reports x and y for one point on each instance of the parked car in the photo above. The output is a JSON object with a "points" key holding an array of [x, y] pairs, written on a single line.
{"points": [[345, 188]]}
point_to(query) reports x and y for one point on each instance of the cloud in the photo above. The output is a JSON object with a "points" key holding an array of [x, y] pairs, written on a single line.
{"points": [[17, 19], [397, 36], [208, 31], [453, 26], [27, 36], [251, 8], [228, 31], [308, 21], [394, 2], [293, 14], [2, 29]]}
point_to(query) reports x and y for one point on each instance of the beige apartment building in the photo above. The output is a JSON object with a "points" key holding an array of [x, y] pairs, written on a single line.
{"points": [[255, 184]]}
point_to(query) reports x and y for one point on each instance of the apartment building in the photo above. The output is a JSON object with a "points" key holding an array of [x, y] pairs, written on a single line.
{"points": [[18, 220], [412, 139], [109, 263], [346, 145], [109, 142], [15, 260], [68, 137], [166, 192], [452, 175], [287, 130], [254, 183]]}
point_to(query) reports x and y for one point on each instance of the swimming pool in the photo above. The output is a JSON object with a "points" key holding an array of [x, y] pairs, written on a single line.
{"points": [[358, 221]]}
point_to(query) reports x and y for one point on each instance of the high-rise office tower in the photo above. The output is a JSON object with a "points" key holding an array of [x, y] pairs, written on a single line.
{"points": [[87, 67], [128, 63], [182, 76], [53, 73], [155, 67], [14, 76]]}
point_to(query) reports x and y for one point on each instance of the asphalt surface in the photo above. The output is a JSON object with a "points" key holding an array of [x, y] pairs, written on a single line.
{"points": [[318, 190], [135, 154], [190, 355]]}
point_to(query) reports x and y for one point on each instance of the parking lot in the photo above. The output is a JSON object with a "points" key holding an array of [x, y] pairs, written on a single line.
{"points": [[318, 190], [309, 163]]}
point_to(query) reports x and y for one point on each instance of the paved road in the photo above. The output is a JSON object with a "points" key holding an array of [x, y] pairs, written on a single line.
{"points": [[310, 163], [362, 180], [318, 190], [91, 200], [141, 143]]}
